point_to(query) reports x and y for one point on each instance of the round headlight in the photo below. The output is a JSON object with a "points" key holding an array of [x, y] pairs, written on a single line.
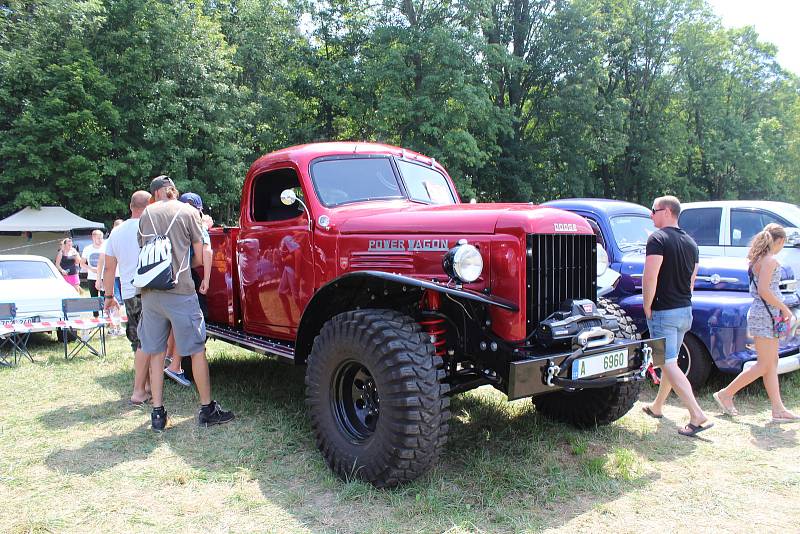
{"points": [[602, 260], [463, 262]]}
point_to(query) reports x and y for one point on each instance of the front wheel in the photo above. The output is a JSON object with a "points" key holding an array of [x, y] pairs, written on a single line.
{"points": [[694, 361], [586, 408], [375, 397]]}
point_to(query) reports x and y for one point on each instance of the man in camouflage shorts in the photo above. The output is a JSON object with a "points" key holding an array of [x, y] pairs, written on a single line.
{"points": [[122, 248]]}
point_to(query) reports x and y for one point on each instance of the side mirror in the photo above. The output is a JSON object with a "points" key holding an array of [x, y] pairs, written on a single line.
{"points": [[288, 197], [792, 236]]}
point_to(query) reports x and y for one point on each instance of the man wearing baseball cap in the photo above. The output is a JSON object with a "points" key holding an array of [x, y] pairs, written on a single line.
{"points": [[175, 370], [175, 308]]}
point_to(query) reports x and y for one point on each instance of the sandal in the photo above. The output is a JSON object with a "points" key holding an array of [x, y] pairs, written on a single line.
{"points": [[691, 430], [651, 413], [785, 417], [732, 411], [141, 402]]}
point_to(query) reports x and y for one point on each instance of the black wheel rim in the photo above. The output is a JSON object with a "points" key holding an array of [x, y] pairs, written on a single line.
{"points": [[684, 359], [355, 401]]}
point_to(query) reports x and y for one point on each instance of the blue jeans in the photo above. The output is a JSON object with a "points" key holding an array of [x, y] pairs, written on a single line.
{"points": [[672, 325]]}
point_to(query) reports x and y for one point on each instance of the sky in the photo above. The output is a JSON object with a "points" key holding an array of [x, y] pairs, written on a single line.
{"points": [[776, 21]]}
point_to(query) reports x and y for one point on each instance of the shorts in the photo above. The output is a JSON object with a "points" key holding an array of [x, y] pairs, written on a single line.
{"points": [[72, 279], [160, 310], [133, 309], [671, 325]]}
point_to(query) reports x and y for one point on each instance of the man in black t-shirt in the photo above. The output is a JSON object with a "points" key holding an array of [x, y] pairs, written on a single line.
{"points": [[669, 272]]}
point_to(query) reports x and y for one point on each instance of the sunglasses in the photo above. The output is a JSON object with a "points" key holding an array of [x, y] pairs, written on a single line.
{"points": [[656, 210]]}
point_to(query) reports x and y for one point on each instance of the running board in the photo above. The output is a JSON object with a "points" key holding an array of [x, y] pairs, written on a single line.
{"points": [[284, 350]]}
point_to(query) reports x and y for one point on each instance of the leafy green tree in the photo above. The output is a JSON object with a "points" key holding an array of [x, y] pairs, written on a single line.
{"points": [[55, 103]]}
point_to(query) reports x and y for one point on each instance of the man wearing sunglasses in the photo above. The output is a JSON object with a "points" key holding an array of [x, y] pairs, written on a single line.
{"points": [[669, 272]]}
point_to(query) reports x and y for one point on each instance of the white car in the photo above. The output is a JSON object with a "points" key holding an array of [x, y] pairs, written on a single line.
{"points": [[34, 284], [726, 227]]}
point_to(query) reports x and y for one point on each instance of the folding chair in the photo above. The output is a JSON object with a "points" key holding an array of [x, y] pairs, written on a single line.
{"points": [[11, 335], [95, 325]]}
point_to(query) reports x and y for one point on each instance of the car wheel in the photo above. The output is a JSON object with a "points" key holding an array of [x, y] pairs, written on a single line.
{"points": [[375, 396], [694, 361]]}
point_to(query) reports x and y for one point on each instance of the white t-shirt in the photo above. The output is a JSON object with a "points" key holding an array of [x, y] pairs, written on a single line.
{"points": [[123, 245], [91, 254]]}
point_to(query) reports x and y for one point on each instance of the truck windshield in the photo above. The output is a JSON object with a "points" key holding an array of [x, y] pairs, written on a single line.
{"points": [[631, 231], [339, 181], [425, 184]]}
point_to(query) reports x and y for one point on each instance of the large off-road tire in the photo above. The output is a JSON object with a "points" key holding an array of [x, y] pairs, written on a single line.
{"points": [[694, 361], [375, 397], [627, 328], [586, 408]]}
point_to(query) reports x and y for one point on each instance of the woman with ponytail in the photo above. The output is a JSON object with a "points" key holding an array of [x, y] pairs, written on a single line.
{"points": [[767, 309]]}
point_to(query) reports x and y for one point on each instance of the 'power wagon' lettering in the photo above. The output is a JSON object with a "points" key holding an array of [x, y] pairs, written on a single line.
{"points": [[395, 245]]}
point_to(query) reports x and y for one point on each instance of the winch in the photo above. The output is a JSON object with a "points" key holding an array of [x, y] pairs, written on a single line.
{"points": [[577, 323]]}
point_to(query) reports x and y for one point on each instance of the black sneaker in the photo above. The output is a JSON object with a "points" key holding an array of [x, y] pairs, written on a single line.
{"points": [[213, 414], [158, 419]]}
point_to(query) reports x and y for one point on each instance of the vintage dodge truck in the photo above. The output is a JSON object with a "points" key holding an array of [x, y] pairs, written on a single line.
{"points": [[360, 261]]}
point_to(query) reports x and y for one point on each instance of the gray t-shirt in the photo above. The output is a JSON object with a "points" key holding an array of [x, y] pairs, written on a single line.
{"points": [[186, 229]]}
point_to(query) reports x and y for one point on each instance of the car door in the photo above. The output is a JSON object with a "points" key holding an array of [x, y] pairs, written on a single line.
{"points": [[705, 225], [745, 223]]}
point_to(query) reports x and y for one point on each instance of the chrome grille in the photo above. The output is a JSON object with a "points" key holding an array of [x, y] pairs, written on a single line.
{"points": [[559, 267]]}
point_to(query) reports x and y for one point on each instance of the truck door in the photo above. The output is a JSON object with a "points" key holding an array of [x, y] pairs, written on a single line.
{"points": [[705, 225], [275, 262]]}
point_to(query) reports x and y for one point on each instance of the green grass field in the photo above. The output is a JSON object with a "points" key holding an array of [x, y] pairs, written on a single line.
{"points": [[75, 457]]}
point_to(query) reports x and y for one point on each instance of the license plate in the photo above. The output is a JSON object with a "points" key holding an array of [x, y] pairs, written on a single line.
{"points": [[599, 364]]}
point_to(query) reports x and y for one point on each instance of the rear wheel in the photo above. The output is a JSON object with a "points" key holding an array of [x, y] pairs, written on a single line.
{"points": [[585, 408], [375, 398]]}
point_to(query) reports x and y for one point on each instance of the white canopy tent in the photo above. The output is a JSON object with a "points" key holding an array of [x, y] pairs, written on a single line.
{"points": [[47, 226], [46, 219]]}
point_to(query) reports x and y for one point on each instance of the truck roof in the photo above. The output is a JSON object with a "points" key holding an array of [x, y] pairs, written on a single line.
{"points": [[310, 151]]}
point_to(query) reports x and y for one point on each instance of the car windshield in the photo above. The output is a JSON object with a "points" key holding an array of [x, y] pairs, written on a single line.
{"points": [[345, 180], [425, 184], [25, 270], [631, 231], [340, 181]]}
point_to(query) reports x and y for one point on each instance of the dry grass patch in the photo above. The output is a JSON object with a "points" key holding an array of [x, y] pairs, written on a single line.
{"points": [[76, 458]]}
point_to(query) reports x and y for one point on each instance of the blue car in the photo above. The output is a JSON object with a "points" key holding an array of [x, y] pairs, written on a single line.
{"points": [[718, 338]]}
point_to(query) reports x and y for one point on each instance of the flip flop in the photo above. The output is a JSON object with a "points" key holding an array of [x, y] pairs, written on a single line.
{"points": [[780, 420], [140, 403], [651, 413], [732, 411], [691, 430]]}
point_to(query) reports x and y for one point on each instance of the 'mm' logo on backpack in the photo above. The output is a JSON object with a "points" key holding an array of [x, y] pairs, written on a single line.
{"points": [[154, 268]]}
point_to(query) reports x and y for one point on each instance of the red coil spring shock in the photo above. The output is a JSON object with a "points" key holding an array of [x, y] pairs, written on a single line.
{"points": [[434, 326]]}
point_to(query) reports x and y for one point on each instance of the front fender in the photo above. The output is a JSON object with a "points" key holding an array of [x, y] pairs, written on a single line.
{"points": [[363, 289]]}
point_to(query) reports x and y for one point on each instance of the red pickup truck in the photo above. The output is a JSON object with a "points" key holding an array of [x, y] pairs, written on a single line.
{"points": [[360, 262]]}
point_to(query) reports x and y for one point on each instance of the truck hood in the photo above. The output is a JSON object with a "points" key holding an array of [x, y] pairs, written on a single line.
{"points": [[713, 273], [411, 218]]}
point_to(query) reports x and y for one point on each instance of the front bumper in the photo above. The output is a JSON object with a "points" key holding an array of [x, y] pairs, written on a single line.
{"points": [[786, 364], [538, 374]]}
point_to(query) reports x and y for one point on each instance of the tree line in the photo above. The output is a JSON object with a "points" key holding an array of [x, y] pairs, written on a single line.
{"points": [[521, 100]]}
